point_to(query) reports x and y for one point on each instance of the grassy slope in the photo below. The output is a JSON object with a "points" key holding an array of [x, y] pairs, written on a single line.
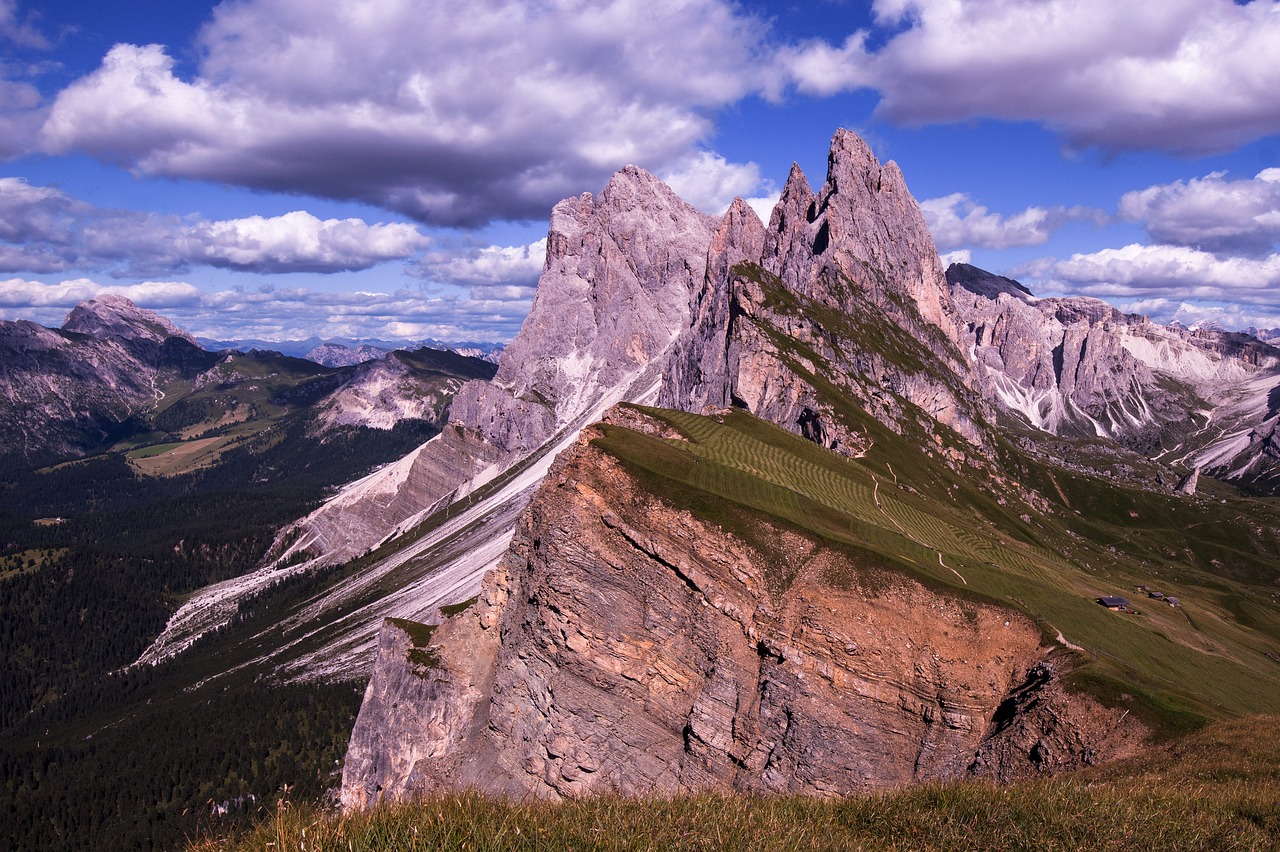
{"points": [[898, 509], [1215, 790], [904, 510]]}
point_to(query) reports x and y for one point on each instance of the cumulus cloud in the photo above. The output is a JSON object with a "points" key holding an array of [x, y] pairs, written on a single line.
{"points": [[1211, 213], [465, 112], [33, 295], [43, 230], [1192, 314], [956, 221], [709, 182], [1161, 271], [278, 313], [1188, 76], [503, 273]]}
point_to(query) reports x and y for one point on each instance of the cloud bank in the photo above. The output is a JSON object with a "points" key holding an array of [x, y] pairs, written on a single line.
{"points": [[465, 113], [43, 230], [270, 312], [1187, 76], [1211, 213], [956, 221]]}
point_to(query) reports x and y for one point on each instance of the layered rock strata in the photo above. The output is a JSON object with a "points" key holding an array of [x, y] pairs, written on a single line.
{"points": [[626, 645]]}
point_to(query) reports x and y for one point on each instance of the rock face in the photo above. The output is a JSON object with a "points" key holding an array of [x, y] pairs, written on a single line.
{"points": [[840, 296], [1077, 366], [620, 273], [625, 645]]}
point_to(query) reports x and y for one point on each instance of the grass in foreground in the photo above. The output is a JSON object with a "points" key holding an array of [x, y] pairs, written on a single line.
{"points": [[1219, 789]]}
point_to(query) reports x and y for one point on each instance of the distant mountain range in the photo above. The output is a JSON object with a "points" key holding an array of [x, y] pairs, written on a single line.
{"points": [[119, 377], [338, 350]]}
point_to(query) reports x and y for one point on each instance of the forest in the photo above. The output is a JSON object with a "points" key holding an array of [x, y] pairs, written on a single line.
{"points": [[93, 559]]}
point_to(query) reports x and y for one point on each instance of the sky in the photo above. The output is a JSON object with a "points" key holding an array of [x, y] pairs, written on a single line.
{"points": [[385, 169]]}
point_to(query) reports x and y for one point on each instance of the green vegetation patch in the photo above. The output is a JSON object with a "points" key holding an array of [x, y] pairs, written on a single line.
{"points": [[450, 610], [421, 655], [900, 511]]}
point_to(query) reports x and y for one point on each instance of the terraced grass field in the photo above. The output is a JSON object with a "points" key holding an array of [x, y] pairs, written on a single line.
{"points": [[1028, 547]]}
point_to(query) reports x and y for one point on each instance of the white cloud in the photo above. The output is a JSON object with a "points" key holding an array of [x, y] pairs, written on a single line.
{"points": [[957, 221], [1211, 213], [43, 229], [20, 31], [300, 241], [709, 182], [487, 267], [1189, 76], [957, 256], [1192, 314], [1162, 271], [21, 293], [464, 113]]}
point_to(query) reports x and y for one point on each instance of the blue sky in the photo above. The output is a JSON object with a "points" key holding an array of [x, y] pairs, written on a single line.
{"points": [[278, 169]]}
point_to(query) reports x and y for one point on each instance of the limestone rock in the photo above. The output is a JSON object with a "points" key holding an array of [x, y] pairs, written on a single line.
{"points": [[842, 296], [624, 645]]}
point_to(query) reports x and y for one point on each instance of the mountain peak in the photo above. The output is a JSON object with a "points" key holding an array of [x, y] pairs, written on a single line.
{"points": [[110, 316]]}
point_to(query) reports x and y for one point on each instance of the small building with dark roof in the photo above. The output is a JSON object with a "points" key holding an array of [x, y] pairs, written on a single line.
{"points": [[1113, 602]]}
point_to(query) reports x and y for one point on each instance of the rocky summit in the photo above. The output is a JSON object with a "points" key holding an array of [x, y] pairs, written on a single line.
{"points": [[856, 543]]}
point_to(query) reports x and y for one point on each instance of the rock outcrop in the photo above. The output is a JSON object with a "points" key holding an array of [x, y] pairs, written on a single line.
{"points": [[627, 645], [840, 297], [1078, 367]]}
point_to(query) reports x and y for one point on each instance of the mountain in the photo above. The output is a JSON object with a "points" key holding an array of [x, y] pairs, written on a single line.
{"points": [[119, 377], [337, 355], [835, 557], [75, 390], [1196, 400], [746, 506], [621, 274]]}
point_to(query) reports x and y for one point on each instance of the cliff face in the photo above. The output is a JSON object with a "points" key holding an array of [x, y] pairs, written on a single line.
{"points": [[620, 272], [625, 644], [1077, 366], [840, 297]]}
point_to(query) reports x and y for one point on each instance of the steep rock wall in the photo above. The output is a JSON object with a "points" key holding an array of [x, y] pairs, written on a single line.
{"points": [[840, 297], [626, 645]]}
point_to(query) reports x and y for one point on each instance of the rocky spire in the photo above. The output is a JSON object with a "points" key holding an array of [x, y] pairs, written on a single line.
{"points": [[620, 275], [845, 285]]}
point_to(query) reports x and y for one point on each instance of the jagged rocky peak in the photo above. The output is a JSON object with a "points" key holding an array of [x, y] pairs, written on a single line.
{"points": [[864, 224], [622, 269], [113, 317], [843, 284]]}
